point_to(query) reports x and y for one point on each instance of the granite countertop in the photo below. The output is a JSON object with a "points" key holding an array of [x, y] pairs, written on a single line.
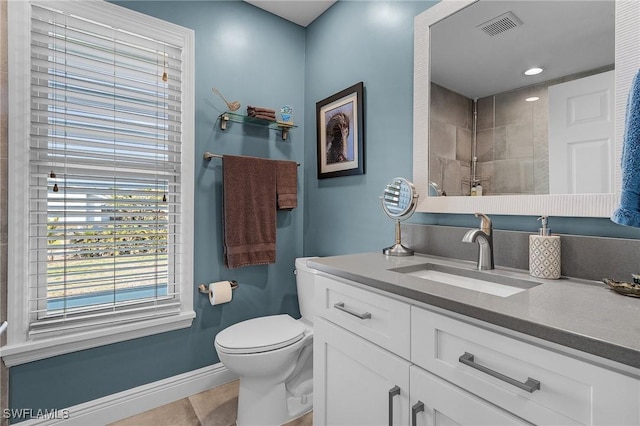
{"points": [[580, 314]]}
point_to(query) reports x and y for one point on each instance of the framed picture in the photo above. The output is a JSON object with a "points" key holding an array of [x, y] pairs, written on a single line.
{"points": [[340, 127]]}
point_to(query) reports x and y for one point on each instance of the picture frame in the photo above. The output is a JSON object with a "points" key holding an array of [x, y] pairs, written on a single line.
{"points": [[340, 133]]}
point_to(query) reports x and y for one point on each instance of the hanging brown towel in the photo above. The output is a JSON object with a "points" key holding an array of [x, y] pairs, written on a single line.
{"points": [[287, 184], [249, 197]]}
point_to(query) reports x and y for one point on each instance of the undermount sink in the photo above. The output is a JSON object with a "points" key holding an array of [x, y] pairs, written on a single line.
{"points": [[484, 282]]}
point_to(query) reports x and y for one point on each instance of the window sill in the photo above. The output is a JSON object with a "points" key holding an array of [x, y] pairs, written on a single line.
{"points": [[40, 349]]}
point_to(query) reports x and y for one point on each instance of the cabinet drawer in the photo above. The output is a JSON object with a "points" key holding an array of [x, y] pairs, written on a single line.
{"points": [[495, 368], [437, 402], [377, 318]]}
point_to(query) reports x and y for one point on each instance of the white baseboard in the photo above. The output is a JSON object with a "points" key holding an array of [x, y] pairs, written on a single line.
{"points": [[134, 401]]}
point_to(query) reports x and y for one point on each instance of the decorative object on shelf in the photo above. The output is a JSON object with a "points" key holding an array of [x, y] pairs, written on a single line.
{"points": [[233, 106], [340, 133], [268, 114], [621, 287], [399, 201], [255, 121], [285, 113]]}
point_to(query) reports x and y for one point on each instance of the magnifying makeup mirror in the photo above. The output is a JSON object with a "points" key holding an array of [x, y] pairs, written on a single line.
{"points": [[399, 201]]}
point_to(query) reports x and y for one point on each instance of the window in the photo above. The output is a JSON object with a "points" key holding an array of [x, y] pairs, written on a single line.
{"points": [[101, 170]]}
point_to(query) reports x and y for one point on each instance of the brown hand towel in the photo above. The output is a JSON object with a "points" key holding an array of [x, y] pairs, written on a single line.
{"points": [[287, 185], [265, 117], [258, 110], [249, 192]]}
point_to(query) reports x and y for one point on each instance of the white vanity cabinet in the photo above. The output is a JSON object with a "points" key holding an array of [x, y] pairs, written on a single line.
{"points": [[357, 380], [376, 354]]}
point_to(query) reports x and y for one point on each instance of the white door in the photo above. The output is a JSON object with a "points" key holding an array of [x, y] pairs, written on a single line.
{"points": [[435, 402], [356, 382], [581, 135]]}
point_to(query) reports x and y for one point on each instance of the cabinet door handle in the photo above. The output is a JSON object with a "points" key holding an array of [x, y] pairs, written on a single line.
{"points": [[394, 391], [340, 305], [417, 407], [530, 385]]}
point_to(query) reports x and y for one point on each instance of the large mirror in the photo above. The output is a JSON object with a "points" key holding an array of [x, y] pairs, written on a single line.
{"points": [[472, 124]]}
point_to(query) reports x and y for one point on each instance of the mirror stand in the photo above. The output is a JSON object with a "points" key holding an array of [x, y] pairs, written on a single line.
{"points": [[399, 201], [397, 249]]}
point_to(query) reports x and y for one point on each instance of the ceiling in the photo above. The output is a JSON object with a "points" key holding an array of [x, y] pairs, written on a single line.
{"points": [[563, 37], [301, 12]]}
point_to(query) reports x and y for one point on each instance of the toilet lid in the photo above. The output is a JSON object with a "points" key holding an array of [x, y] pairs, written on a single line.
{"points": [[260, 334]]}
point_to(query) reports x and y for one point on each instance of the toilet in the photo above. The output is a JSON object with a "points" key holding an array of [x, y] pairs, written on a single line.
{"points": [[273, 358]]}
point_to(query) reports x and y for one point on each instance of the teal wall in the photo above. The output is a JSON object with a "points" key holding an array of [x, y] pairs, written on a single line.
{"points": [[370, 42], [373, 42], [257, 58]]}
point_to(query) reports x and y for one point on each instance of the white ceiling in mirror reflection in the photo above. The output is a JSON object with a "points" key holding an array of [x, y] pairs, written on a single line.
{"points": [[627, 60], [470, 62]]}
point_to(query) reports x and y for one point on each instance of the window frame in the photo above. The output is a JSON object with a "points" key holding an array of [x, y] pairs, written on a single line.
{"points": [[20, 347]]}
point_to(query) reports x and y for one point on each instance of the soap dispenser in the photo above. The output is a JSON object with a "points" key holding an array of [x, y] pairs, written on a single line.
{"points": [[544, 253]]}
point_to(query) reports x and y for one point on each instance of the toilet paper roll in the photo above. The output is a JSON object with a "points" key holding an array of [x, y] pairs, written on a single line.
{"points": [[220, 292]]}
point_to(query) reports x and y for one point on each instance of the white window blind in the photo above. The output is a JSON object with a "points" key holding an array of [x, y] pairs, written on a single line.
{"points": [[105, 162]]}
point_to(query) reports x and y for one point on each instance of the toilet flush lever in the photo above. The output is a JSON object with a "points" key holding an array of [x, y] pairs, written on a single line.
{"points": [[340, 306]]}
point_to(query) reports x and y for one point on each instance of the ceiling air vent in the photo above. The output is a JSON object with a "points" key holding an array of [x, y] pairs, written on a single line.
{"points": [[500, 24]]}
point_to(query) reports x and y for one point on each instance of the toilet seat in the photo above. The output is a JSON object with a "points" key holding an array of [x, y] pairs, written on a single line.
{"points": [[260, 335]]}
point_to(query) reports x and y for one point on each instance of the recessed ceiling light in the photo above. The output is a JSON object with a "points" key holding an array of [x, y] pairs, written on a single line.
{"points": [[532, 99], [533, 71]]}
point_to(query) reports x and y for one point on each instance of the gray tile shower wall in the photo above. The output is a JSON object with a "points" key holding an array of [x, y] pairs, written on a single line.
{"points": [[451, 127], [591, 258]]}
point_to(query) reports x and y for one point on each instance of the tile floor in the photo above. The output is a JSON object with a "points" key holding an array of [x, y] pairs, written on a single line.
{"points": [[215, 407]]}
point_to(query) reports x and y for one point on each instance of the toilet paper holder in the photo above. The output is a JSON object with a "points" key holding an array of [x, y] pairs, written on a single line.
{"points": [[202, 288]]}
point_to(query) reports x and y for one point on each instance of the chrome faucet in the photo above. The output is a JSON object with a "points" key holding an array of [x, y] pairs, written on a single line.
{"points": [[484, 238]]}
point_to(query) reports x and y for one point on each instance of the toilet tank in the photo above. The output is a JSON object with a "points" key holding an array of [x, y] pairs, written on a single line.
{"points": [[305, 282]]}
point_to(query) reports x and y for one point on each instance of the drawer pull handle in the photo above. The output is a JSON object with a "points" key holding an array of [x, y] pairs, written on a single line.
{"points": [[530, 385], [394, 391], [417, 407], [340, 305]]}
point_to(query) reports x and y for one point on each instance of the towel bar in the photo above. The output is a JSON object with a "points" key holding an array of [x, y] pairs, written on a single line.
{"points": [[209, 155]]}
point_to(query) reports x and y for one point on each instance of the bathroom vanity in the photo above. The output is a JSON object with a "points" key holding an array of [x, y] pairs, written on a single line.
{"points": [[423, 340]]}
